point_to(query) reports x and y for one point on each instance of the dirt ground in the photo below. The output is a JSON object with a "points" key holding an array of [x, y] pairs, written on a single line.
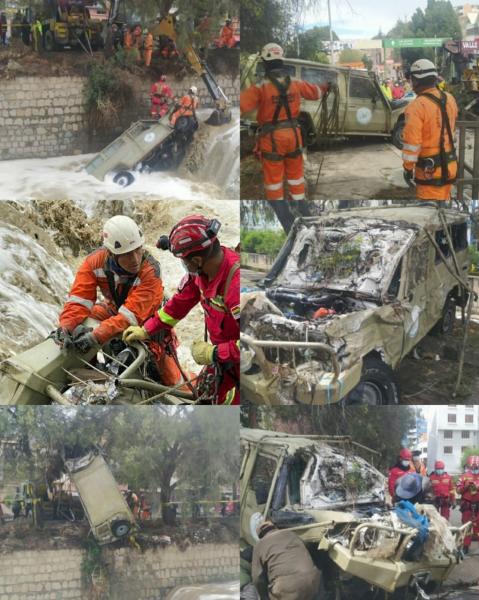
{"points": [[355, 169], [21, 535], [428, 380], [20, 60]]}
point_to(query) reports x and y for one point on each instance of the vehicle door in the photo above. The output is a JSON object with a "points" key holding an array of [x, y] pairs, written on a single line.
{"points": [[257, 479], [335, 103], [367, 108]]}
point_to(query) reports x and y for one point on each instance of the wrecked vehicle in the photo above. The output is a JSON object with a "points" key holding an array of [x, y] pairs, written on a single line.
{"points": [[356, 105], [349, 296], [206, 591], [147, 145], [106, 509], [45, 374], [333, 500]]}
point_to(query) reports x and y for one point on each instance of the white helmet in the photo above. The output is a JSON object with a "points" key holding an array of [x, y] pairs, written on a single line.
{"points": [[194, 90], [423, 68], [121, 235], [272, 52]]}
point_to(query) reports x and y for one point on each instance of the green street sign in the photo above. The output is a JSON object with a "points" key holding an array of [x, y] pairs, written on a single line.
{"points": [[414, 43]]}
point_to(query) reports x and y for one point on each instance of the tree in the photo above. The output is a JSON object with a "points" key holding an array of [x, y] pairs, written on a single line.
{"points": [[367, 62], [348, 56], [310, 44]]}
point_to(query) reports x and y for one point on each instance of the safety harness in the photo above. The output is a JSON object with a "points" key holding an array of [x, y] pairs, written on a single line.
{"points": [[289, 123], [430, 163], [118, 298]]}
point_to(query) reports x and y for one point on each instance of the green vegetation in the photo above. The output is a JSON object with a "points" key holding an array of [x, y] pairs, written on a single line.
{"points": [[474, 256], [262, 241], [92, 560], [468, 452], [339, 263]]}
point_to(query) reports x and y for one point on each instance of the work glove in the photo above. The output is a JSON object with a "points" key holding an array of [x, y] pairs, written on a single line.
{"points": [[84, 339], [203, 352], [62, 337], [135, 333], [408, 177]]}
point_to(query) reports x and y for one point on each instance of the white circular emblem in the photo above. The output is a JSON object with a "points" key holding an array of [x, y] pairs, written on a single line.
{"points": [[364, 115], [149, 137]]}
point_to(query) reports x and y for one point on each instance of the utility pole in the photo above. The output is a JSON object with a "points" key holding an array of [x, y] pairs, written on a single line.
{"points": [[331, 47]]}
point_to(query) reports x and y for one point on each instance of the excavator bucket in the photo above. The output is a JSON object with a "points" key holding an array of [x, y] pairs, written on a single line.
{"points": [[219, 117]]}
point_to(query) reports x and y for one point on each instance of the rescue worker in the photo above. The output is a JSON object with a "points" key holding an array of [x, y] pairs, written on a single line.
{"points": [[133, 502], [148, 48], [387, 90], [227, 38], [37, 35], [282, 567], [161, 95], [127, 39], [117, 37], [468, 488], [277, 101], [213, 280], [429, 156], [402, 467], [129, 279], [187, 108], [443, 489], [418, 465]]}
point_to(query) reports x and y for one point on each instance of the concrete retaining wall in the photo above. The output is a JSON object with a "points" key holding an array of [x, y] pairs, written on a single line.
{"points": [[46, 116], [57, 574]]}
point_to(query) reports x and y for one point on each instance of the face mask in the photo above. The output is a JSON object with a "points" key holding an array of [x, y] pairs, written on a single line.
{"points": [[439, 471], [475, 471], [405, 463]]}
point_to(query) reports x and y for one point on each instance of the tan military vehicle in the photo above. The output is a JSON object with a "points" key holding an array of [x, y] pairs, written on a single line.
{"points": [[350, 294], [106, 509], [206, 591], [356, 106], [334, 501]]}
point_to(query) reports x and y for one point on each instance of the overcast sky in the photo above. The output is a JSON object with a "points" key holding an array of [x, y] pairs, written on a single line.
{"points": [[363, 18]]}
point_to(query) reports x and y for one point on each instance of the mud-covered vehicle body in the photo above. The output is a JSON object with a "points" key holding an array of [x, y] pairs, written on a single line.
{"points": [[46, 374], [350, 294], [356, 105], [333, 500], [105, 507], [147, 145], [206, 591]]}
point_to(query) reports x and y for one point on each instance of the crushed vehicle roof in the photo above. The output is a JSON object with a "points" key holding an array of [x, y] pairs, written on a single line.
{"points": [[291, 441], [421, 216]]}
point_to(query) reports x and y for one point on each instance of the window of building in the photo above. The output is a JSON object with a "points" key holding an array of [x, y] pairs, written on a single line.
{"points": [[465, 435], [448, 434], [447, 449], [451, 418], [469, 418]]}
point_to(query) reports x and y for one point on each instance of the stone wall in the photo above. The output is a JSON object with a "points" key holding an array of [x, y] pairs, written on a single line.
{"points": [[56, 574], [46, 116]]}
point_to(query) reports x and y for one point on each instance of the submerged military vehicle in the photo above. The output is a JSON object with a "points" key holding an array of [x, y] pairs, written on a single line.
{"points": [[45, 374], [349, 295], [334, 501]]}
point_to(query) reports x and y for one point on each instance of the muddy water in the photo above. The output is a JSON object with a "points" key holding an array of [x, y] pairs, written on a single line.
{"points": [[211, 591], [65, 178]]}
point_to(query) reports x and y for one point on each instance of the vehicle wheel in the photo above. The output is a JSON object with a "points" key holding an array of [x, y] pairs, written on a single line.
{"points": [[50, 44], [124, 178], [120, 528], [396, 136], [445, 324], [377, 386]]}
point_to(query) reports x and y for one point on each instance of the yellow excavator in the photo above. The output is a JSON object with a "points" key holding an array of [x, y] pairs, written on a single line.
{"points": [[167, 27]]}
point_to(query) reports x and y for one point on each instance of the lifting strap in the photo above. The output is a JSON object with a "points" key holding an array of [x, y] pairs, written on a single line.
{"points": [[283, 102], [444, 157]]}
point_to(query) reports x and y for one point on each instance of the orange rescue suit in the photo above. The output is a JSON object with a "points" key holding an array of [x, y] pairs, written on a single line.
{"points": [[143, 299], [422, 144], [148, 49], [227, 39], [280, 140], [187, 108]]}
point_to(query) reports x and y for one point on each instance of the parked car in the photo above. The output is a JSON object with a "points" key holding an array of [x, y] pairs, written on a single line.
{"points": [[350, 294]]}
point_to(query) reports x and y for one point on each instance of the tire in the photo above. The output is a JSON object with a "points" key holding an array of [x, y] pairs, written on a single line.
{"points": [[396, 136], [124, 178], [378, 385], [120, 528], [445, 325]]}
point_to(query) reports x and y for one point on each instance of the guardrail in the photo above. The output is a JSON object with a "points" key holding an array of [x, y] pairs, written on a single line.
{"points": [[467, 171]]}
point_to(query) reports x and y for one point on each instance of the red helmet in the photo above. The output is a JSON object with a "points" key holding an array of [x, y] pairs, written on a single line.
{"points": [[472, 461], [439, 464], [193, 234], [405, 454]]}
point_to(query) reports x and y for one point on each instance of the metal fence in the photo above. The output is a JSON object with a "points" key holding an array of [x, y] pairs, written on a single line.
{"points": [[468, 160]]}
